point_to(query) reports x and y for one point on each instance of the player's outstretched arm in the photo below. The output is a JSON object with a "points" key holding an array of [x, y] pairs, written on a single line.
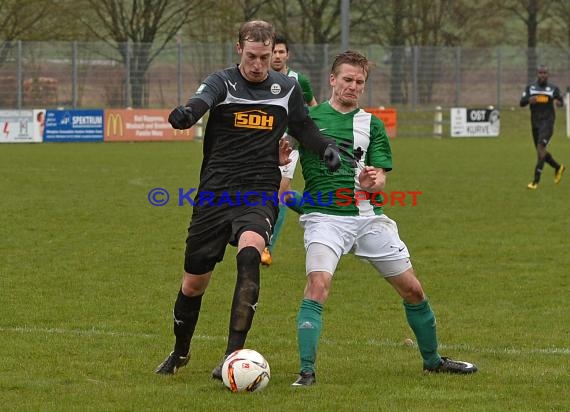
{"points": [[525, 99], [309, 136], [184, 117]]}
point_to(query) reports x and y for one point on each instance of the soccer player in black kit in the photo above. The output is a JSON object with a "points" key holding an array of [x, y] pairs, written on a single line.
{"points": [[543, 97], [250, 108]]}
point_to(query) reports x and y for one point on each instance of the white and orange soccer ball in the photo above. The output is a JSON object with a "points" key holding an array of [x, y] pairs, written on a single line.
{"points": [[245, 370]]}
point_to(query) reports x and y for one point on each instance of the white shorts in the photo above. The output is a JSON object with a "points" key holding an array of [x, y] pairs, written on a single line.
{"points": [[289, 169], [373, 238]]}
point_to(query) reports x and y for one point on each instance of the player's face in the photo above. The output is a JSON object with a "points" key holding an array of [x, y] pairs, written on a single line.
{"points": [[348, 85], [542, 75], [279, 58], [255, 59]]}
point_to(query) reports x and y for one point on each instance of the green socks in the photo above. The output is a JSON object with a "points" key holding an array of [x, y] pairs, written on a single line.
{"points": [[295, 203], [422, 321], [278, 226], [309, 323], [420, 318]]}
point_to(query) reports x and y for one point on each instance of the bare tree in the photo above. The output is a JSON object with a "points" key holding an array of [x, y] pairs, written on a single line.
{"points": [[139, 30], [17, 20], [532, 13], [559, 32]]}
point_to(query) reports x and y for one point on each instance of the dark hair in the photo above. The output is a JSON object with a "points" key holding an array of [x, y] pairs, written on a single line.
{"points": [[256, 31], [353, 58], [279, 39]]}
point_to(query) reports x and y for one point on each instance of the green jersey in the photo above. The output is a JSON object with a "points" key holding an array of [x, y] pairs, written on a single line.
{"points": [[362, 140], [304, 83]]}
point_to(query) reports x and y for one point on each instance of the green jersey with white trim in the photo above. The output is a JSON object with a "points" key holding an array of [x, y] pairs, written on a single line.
{"points": [[362, 140], [304, 83]]}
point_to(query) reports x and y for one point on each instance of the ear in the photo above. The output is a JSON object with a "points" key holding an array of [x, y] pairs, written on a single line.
{"points": [[239, 50], [331, 79]]}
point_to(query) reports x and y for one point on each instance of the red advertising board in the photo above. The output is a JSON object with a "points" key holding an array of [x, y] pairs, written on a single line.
{"points": [[388, 116], [136, 125]]}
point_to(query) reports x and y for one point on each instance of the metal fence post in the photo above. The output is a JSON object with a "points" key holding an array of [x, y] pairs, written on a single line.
{"points": [[74, 74], [179, 70], [415, 58], [19, 75], [568, 112], [127, 74], [499, 70], [438, 122], [457, 75], [369, 88]]}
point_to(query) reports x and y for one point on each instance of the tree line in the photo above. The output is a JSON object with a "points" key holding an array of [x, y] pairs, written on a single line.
{"points": [[142, 28]]}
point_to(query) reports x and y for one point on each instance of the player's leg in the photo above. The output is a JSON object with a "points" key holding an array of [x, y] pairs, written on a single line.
{"points": [[541, 136], [292, 199], [381, 245], [326, 239], [287, 173], [284, 187], [251, 233], [321, 262], [422, 321], [185, 314], [246, 294], [548, 158], [419, 314], [205, 247]]}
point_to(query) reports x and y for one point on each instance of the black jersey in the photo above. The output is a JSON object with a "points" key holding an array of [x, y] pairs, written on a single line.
{"points": [[543, 111], [246, 121]]}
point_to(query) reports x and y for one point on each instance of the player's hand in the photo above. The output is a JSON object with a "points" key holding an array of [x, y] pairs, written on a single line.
{"points": [[532, 99], [179, 118], [331, 157], [285, 150], [372, 179]]}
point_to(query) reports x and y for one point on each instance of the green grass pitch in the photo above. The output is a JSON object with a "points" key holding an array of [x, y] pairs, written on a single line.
{"points": [[89, 271]]}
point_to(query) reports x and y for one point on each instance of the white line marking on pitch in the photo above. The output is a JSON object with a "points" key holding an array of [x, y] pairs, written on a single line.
{"points": [[371, 342]]}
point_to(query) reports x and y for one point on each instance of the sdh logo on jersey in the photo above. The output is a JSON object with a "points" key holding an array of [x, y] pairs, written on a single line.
{"points": [[253, 119]]}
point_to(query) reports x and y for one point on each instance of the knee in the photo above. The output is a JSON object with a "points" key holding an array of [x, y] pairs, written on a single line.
{"points": [[413, 294], [194, 285], [318, 286]]}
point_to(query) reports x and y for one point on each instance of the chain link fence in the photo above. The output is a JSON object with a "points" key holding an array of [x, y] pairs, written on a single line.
{"points": [[102, 75]]}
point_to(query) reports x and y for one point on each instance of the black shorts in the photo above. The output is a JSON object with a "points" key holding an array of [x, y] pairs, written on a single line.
{"points": [[213, 227], [542, 132]]}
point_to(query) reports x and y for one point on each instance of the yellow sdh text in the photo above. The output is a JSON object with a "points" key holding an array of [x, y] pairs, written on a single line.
{"points": [[253, 119]]}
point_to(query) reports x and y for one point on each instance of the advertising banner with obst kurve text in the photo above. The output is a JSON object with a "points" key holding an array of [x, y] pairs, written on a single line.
{"points": [[142, 125]]}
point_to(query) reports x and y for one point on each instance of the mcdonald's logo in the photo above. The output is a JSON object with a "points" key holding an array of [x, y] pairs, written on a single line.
{"points": [[114, 125]]}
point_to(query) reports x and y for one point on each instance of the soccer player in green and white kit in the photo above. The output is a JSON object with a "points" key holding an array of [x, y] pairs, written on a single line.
{"points": [[279, 63], [334, 226]]}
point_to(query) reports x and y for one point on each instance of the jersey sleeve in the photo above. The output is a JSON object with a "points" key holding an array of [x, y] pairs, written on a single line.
{"points": [[297, 110], [525, 97], [212, 91], [558, 96], [379, 152], [306, 87]]}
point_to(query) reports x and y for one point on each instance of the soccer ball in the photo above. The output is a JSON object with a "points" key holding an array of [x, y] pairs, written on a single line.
{"points": [[245, 370]]}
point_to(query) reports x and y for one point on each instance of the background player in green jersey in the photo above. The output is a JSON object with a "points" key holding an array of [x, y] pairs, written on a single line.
{"points": [[279, 63], [334, 227]]}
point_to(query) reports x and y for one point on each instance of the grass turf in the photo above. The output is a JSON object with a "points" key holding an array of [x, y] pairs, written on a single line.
{"points": [[89, 271]]}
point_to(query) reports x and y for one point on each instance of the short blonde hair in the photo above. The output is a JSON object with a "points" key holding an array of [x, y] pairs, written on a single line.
{"points": [[256, 31]]}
